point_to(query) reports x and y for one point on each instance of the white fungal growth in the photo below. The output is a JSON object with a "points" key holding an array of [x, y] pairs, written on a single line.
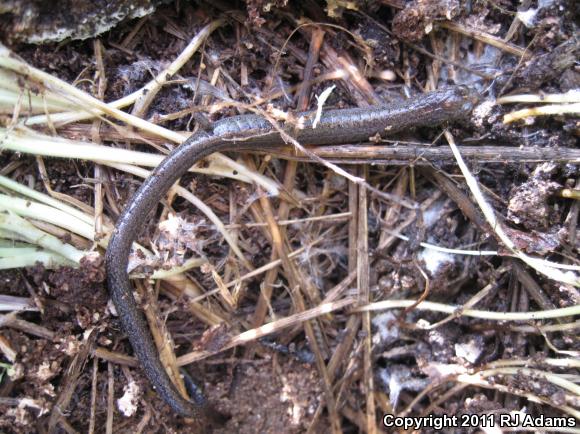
{"points": [[435, 259], [128, 403], [528, 17]]}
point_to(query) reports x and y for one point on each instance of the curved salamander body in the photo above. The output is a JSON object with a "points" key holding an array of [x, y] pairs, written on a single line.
{"points": [[249, 132]]}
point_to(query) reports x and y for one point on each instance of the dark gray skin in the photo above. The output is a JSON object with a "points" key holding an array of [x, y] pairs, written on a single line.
{"points": [[250, 132]]}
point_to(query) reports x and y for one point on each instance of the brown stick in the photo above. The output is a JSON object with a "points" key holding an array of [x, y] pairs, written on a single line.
{"points": [[425, 155]]}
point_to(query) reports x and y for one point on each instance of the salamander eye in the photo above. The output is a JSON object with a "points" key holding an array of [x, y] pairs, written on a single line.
{"points": [[463, 91]]}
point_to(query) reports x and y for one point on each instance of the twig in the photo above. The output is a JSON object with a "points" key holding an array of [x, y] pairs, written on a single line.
{"points": [[545, 110], [484, 37], [536, 263], [267, 329], [8, 351], [94, 392], [269, 266], [162, 77], [571, 96], [31, 142], [363, 288], [199, 204], [13, 303], [478, 379], [482, 314], [19, 226], [424, 155], [110, 398], [43, 198]]}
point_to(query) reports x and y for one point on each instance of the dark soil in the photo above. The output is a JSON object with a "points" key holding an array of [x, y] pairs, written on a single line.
{"points": [[277, 388]]}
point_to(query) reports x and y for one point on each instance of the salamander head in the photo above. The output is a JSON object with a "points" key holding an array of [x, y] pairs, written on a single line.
{"points": [[466, 96]]}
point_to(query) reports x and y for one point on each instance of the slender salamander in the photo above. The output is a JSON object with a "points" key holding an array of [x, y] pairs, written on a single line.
{"points": [[250, 132]]}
